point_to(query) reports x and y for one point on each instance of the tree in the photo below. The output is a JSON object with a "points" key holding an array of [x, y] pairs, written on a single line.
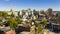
{"points": [[27, 22], [18, 20], [12, 15], [0, 14], [13, 24], [5, 14], [39, 29], [1, 23], [36, 24], [44, 22]]}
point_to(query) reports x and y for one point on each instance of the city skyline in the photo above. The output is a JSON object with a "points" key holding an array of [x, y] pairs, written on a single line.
{"points": [[33, 4]]}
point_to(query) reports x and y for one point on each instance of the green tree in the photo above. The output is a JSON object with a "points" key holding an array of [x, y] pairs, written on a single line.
{"points": [[5, 14], [12, 15], [39, 29], [44, 22], [13, 24], [27, 22], [19, 20], [36, 24], [1, 23], [0, 14]]}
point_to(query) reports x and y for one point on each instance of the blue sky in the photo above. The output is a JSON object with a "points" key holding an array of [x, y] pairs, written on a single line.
{"points": [[33, 4]]}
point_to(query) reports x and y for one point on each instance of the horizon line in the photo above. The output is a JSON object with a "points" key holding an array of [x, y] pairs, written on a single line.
{"points": [[28, 8]]}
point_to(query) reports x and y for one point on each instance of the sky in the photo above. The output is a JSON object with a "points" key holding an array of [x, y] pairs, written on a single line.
{"points": [[33, 4]]}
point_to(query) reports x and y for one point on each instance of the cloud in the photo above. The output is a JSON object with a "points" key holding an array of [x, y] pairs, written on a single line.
{"points": [[7, 0]]}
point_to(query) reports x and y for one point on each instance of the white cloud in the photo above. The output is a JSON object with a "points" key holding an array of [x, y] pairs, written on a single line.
{"points": [[7, 0]]}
